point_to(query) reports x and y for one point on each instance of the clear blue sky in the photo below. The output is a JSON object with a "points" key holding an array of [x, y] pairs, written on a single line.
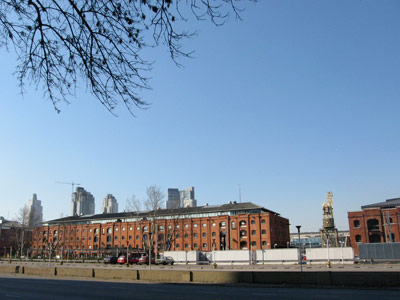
{"points": [[298, 99]]}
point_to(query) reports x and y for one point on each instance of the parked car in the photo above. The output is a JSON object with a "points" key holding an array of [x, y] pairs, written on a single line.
{"points": [[110, 260], [165, 260], [133, 260], [145, 260], [122, 260]]}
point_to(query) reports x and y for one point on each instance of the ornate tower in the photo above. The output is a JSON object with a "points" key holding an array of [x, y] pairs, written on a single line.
{"points": [[329, 233]]}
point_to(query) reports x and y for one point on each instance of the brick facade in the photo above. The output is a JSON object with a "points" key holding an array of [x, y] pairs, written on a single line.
{"points": [[370, 226], [223, 232]]}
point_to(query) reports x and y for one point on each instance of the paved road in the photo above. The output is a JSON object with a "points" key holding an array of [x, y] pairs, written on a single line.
{"points": [[56, 289]]}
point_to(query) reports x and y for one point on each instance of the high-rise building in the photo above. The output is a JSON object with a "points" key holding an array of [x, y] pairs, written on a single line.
{"points": [[34, 211], [110, 204], [184, 198], [82, 202], [187, 197], [174, 199]]}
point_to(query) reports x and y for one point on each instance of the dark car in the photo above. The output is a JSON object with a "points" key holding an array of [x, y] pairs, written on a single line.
{"points": [[110, 260], [145, 260]]}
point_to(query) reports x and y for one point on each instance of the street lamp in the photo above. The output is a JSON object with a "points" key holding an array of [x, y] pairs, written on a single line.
{"points": [[300, 260], [275, 245]]}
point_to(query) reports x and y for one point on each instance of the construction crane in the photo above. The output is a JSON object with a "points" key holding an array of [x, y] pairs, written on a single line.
{"points": [[72, 185]]}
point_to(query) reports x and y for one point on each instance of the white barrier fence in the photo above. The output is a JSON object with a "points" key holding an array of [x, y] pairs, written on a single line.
{"points": [[271, 256], [334, 255]]}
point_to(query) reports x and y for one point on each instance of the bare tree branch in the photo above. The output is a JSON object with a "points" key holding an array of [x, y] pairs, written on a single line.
{"points": [[59, 43]]}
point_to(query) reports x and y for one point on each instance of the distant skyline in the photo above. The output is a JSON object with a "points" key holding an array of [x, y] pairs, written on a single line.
{"points": [[299, 99]]}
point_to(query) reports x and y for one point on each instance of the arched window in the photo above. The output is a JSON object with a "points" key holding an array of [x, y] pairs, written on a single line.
{"points": [[253, 222], [263, 221], [263, 231], [161, 228], [96, 230], [222, 224], [145, 228], [374, 238], [253, 232], [144, 237], [243, 245], [109, 230], [242, 223], [373, 224], [243, 233]]}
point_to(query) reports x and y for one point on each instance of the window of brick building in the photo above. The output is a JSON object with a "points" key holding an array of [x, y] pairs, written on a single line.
{"points": [[130, 237], [116, 229], [264, 243], [109, 238], [263, 231], [186, 225], [356, 223], [138, 228], [233, 225], [242, 223], [222, 224], [186, 235], [145, 228], [177, 246], [123, 228], [358, 238], [144, 237], [96, 239], [177, 235], [204, 225], [214, 224], [243, 233], [115, 238], [253, 232], [195, 225], [204, 234], [263, 221], [161, 228], [254, 244], [195, 235], [195, 245], [253, 222], [109, 230], [204, 246], [137, 237], [96, 230], [122, 237], [373, 224], [214, 234]]}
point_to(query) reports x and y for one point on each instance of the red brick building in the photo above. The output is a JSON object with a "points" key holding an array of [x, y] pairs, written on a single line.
{"points": [[375, 223], [230, 226]]}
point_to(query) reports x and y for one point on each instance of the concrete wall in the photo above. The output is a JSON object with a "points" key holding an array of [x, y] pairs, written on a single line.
{"points": [[320, 255], [235, 257], [277, 256], [327, 278]]}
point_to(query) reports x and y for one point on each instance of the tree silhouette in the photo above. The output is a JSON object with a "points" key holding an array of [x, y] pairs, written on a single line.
{"points": [[60, 43]]}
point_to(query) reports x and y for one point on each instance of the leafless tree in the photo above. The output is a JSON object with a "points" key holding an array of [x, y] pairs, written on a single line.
{"points": [[133, 204], [22, 230], [100, 41]]}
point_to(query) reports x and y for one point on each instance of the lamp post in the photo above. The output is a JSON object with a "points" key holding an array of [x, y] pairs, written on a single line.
{"points": [[341, 246], [300, 260]]}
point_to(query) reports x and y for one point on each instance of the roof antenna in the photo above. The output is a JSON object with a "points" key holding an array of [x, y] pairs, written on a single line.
{"points": [[240, 195]]}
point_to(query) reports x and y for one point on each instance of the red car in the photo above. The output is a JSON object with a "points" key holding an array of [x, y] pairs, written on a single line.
{"points": [[144, 260], [131, 260]]}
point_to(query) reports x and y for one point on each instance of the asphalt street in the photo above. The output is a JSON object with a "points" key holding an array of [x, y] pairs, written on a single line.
{"points": [[54, 289]]}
